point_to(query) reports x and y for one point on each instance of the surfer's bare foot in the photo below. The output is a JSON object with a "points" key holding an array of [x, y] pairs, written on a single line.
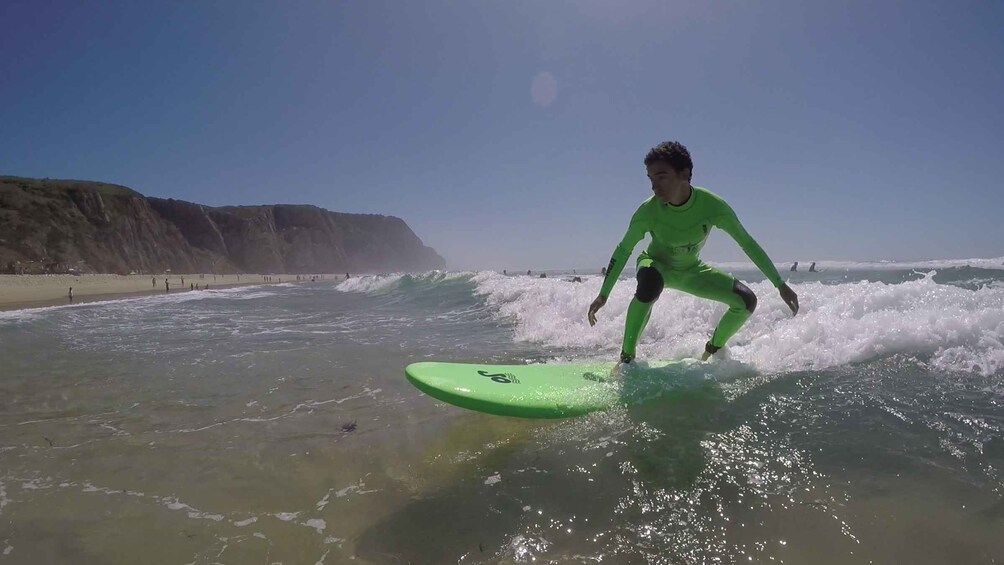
{"points": [[709, 350], [622, 364]]}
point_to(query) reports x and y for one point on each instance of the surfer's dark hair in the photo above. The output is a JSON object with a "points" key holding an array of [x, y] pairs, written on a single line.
{"points": [[673, 153]]}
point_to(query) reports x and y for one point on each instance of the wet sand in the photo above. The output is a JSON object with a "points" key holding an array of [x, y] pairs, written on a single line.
{"points": [[36, 291]]}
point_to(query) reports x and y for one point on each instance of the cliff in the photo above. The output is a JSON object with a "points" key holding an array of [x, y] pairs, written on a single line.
{"points": [[60, 225]]}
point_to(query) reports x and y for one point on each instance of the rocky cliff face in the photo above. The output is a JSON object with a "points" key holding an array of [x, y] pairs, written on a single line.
{"points": [[56, 225]]}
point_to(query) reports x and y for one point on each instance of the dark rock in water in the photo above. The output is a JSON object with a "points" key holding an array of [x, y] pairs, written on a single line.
{"points": [[61, 225]]}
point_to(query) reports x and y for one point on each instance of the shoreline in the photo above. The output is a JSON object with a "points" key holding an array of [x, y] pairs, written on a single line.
{"points": [[25, 292]]}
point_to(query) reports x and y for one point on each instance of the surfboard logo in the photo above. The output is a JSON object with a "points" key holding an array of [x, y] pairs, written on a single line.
{"points": [[504, 378]]}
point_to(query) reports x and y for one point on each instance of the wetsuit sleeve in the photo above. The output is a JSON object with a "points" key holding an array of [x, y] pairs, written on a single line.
{"points": [[729, 223], [636, 231]]}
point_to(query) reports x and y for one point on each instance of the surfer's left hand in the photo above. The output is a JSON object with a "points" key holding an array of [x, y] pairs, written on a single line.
{"points": [[789, 297], [594, 307]]}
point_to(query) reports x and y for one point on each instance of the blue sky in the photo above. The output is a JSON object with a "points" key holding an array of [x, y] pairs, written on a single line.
{"points": [[837, 130]]}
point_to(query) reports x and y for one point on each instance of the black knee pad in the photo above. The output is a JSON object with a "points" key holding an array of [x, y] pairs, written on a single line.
{"points": [[650, 285], [745, 293]]}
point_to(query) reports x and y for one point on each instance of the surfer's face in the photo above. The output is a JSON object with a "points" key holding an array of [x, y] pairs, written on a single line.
{"points": [[665, 181]]}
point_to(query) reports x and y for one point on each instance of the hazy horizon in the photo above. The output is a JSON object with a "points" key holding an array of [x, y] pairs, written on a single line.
{"points": [[511, 136]]}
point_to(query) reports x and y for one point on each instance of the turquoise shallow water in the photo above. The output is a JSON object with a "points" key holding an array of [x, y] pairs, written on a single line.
{"points": [[274, 424]]}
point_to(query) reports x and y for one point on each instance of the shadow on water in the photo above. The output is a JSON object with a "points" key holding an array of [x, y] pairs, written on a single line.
{"points": [[673, 409], [556, 478], [457, 513]]}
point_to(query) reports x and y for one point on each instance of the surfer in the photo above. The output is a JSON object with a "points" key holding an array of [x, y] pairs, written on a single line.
{"points": [[679, 217]]}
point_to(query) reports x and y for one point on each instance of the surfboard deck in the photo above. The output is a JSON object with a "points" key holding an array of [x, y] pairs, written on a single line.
{"points": [[526, 391]]}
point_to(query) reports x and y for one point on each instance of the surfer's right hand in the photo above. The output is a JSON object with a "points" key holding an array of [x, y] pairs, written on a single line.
{"points": [[789, 297], [594, 307]]}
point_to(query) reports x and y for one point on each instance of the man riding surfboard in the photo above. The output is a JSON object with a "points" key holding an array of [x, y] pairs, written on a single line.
{"points": [[679, 217]]}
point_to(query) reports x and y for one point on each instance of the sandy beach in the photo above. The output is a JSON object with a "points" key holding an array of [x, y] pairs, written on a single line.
{"points": [[34, 291]]}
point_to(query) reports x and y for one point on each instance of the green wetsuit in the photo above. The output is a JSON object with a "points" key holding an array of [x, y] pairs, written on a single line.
{"points": [[678, 234]]}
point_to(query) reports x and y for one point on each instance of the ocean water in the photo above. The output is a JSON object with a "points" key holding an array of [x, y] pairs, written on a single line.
{"points": [[273, 424]]}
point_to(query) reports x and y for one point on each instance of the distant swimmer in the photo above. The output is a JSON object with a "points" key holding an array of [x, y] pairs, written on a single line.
{"points": [[528, 271], [543, 276], [603, 271], [504, 273], [794, 267], [812, 268], [576, 279], [679, 217]]}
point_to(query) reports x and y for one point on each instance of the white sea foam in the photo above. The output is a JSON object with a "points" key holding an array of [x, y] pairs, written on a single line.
{"points": [[248, 292], [378, 283], [4, 501], [959, 329], [368, 283], [977, 263], [316, 523]]}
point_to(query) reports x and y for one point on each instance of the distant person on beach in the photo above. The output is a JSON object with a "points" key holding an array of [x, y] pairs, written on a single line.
{"points": [[812, 267], [191, 286], [167, 287], [794, 267], [154, 281], [71, 294], [679, 217]]}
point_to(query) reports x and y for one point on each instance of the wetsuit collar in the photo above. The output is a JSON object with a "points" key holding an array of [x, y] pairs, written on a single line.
{"points": [[681, 207]]}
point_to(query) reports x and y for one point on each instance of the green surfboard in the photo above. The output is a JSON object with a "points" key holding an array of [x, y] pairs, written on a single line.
{"points": [[526, 391]]}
